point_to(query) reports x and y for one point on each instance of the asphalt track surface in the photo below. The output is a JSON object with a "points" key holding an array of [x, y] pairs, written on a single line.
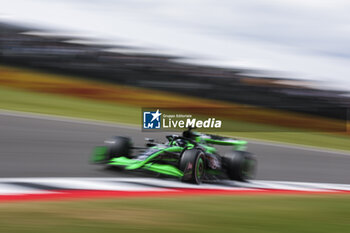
{"points": [[33, 146]]}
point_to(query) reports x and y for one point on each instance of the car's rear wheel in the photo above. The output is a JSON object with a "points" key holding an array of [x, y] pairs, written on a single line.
{"points": [[192, 163], [240, 165], [117, 147]]}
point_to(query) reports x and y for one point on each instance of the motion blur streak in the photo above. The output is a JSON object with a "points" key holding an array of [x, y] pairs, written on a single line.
{"points": [[106, 61], [152, 72], [284, 38]]}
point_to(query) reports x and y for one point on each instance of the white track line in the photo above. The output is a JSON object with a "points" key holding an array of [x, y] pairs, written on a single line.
{"points": [[77, 120], [10, 189], [153, 184], [344, 187], [97, 185]]}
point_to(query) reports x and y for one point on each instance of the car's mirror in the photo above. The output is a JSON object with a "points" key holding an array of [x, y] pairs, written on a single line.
{"points": [[149, 139]]}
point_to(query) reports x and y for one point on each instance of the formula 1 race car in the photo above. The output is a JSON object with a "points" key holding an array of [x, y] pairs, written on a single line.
{"points": [[190, 157]]}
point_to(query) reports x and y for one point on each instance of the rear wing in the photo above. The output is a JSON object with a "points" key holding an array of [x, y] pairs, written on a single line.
{"points": [[224, 141]]}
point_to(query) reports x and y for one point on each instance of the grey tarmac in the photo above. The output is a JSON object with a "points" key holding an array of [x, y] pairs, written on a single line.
{"points": [[43, 146]]}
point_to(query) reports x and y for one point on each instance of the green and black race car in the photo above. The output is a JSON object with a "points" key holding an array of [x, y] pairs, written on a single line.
{"points": [[190, 157]]}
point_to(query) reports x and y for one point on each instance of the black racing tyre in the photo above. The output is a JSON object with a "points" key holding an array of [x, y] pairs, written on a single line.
{"points": [[192, 163], [240, 165], [118, 146]]}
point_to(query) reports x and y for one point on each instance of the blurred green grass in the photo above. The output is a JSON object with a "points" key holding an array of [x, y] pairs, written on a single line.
{"points": [[21, 100], [243, 214], [60, 105]]}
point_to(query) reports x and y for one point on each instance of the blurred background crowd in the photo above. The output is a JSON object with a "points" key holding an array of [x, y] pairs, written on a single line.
{"points": [[34, 48]]}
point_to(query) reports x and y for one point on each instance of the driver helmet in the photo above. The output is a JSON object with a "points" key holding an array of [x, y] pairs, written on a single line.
{"points": [[180, 142]]}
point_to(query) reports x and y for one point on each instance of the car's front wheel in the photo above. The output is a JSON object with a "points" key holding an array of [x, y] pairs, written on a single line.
{"points": [[192, 163], [117, 147]]}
